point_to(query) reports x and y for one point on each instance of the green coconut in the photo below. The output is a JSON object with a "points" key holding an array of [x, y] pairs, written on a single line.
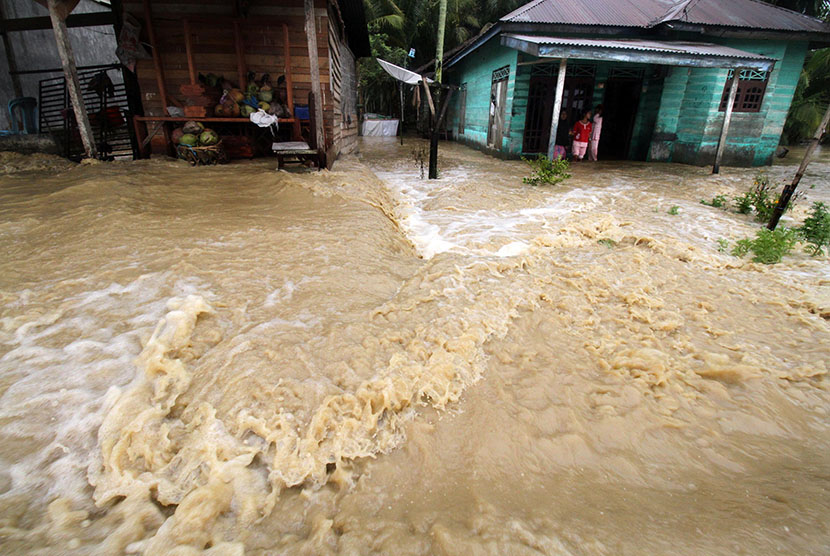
{"points": [[246, 110], [208, 138], [189, 139], [265, 95]]}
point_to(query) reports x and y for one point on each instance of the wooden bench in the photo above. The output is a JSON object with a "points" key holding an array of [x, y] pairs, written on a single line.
{"points": [[300, 150]]}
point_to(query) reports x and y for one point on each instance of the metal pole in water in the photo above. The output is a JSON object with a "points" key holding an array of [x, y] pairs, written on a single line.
{"points": [[557, 106], [727, 116], [787, 194]]}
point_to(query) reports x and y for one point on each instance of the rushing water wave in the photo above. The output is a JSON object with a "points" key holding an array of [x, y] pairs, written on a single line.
{"points": [[235, 360]]}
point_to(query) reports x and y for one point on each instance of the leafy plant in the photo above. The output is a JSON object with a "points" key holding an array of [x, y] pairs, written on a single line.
{"points": [[744, 203], [762, 198], [768, 246], [718, 201], [547, 171], [609, 243], [723, 245], [816, 229], [675, 210]]}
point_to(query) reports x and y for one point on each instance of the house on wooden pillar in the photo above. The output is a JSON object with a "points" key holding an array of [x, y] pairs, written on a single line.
{"points": [[661, 68], [261, 36]]}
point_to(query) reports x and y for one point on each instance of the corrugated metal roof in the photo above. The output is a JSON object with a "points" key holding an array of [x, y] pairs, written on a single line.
{"points": [[744, 13], [622, 13], [668, 47], [750, 14]]}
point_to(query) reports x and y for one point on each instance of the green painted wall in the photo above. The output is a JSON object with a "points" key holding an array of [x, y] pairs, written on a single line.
{"points": [[476, 72], [689, 122], [677, 117]]}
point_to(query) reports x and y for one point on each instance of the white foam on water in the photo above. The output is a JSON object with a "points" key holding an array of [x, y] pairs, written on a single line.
{"points": [[66, 359], [483, 232]]}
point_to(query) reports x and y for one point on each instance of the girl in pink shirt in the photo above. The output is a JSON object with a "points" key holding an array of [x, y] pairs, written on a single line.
{"points": [[595, 131]]}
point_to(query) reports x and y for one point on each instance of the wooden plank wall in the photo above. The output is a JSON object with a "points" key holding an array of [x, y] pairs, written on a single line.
{"points": [[213, 48]]}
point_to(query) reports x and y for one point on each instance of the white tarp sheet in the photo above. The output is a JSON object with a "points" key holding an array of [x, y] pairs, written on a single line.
{"points": [[380, 128], [401, 74]]}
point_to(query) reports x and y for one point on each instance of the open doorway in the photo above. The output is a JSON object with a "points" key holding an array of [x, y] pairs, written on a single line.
{"points": [[622, 97], [576, 98], [498, 101]]}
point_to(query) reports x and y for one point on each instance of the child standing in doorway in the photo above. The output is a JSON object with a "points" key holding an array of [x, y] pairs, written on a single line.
{"points": [[581, 134], [596, 129]]}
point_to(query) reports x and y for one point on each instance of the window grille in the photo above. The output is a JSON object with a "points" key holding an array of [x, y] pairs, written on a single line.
{"points": [[752, 84], [573, 70], [626, 73], [501, 74]]}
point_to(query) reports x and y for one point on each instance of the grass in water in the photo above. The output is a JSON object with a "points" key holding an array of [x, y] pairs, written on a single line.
{"points": [[675, 210], [718, 201], [768, 246]]}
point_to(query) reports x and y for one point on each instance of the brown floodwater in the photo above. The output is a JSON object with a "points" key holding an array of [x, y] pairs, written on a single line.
{"points": [[234, 360]]}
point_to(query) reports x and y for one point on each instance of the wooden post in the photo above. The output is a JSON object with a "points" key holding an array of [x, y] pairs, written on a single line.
{"points": [[241, 67], [7, 45], [557, 106], [70, 73], [727, 117], [188, 47], [151, 34], [289, 83], [429, 99], [314, 63], [788, 192], [442, 115]]}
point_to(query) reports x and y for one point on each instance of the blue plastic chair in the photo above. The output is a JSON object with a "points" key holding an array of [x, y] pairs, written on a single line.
{"points": [[28, 109]]}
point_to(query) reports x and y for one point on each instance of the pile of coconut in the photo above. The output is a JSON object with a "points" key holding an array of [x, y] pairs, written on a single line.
{"points": [[194, 134], [258, 95]]}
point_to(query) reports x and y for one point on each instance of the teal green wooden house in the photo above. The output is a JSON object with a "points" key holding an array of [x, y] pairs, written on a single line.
{"points": [[663, 69]]}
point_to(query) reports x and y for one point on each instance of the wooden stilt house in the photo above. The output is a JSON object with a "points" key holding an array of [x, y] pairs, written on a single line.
{"points": [[241, 41]]}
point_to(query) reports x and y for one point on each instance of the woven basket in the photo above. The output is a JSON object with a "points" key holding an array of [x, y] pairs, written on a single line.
{"points": [[203, 156]]}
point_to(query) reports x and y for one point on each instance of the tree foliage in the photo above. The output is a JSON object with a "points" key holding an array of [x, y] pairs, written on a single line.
{"points": [[378, 88], [813, 91], [812, 94]]}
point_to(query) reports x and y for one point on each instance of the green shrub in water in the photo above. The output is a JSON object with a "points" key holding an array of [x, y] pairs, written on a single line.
{"points": [[768, 246], [547, 171], [675, 210], [718, 201], [816, 229], [762, 198]]}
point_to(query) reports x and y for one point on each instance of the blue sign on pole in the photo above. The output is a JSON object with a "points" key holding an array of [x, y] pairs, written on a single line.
{"points": [[411, 52]]}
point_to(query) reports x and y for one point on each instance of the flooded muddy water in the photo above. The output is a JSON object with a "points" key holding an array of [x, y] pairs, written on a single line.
{"points": [[235, 360]]}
